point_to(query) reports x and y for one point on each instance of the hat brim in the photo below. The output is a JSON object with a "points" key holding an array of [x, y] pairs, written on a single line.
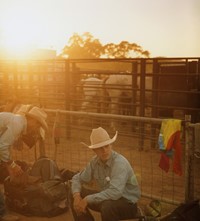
{"points": [[102, 144], [41, 121]]}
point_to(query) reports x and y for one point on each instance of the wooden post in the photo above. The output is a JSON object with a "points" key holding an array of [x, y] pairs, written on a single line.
{"points": [[188, 172]]}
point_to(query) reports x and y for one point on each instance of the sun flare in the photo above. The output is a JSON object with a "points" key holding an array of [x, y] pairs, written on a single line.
{"points": [[19, 39], [20, 35]]}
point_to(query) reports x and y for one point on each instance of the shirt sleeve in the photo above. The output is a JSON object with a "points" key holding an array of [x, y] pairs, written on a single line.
{"points": [[78, 179], [6, 142], [117, 183], [14, 128]]}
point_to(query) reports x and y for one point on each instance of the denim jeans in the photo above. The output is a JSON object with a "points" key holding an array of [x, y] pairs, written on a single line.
{"points": [[110, 210]]}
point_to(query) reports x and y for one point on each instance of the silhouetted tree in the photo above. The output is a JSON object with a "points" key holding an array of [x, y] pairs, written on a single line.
{"points": [[124, 50], [86, 46]]}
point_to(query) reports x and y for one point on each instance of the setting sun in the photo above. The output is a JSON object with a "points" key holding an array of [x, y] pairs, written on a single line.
{"points": [[18, 42], [18, 35], [21, 32]]}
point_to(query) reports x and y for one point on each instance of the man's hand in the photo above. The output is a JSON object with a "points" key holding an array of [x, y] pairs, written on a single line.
{"points": [[77, 199], [83, 205], [79, 204], [14, 170]]}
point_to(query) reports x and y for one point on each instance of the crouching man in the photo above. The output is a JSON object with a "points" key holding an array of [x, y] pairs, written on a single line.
{"points": [[118, 189]]}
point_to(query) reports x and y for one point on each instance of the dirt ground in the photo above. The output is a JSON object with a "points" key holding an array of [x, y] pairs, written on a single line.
{"points": [[166, 208]]}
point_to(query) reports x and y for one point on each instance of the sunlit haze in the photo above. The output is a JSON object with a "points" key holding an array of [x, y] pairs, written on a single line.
{"points": [[169, 28]]}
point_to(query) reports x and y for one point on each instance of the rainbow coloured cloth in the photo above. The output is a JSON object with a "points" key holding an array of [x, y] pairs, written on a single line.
{"points": [[170, 145]]}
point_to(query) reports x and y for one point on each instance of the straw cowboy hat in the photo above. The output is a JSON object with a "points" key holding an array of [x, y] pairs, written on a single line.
{"points": [[100, 138], [39, 115]]}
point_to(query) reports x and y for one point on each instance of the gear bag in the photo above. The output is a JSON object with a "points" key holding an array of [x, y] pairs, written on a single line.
{"points": [[46, 195]]}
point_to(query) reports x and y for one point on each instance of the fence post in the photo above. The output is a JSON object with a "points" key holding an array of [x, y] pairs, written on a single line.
{"points": [[142, 104], [188, 160], [67, 96]]}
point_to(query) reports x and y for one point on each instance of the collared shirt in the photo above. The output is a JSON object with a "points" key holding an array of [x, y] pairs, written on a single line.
{"points": [[115, 179], [11, 127]]}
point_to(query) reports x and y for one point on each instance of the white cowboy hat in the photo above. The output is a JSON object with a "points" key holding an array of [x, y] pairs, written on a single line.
{"points": [[39, 115], [100, 138]]}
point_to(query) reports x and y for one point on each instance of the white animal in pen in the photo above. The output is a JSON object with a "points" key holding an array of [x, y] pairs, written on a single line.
{"points": [[92, 94], [119, 90], [116, 94], [111, 95]]}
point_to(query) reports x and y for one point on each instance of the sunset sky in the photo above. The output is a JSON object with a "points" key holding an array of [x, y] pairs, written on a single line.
{"points": [[168, 28]]}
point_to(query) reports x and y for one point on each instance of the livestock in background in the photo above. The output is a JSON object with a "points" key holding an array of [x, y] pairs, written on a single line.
{"points": [[119, 90], [115, 94], [109, 95], [124, 93], [92, 89]]}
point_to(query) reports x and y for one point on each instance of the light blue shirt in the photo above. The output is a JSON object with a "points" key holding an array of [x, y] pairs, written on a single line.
{"points": [[115, 179], [11, 127]]}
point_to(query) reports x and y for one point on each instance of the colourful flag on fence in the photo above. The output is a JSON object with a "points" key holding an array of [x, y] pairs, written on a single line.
{"points": [[170, 145]]}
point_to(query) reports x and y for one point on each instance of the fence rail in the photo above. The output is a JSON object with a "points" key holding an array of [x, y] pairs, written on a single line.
{"points": [[153, 83]]}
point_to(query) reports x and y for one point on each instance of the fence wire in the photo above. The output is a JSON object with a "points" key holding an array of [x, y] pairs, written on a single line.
{"points": [[137, 141]]}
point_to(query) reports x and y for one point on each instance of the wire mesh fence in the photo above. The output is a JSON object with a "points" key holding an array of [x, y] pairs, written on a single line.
{"points": [[75, 108], [137, 141], [193, 159]]}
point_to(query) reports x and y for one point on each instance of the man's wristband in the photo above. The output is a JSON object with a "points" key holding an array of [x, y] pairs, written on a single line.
{"points": [[13, 164]]}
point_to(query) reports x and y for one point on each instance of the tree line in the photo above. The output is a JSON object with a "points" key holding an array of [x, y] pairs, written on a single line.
{"points": [[86, 46]]}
